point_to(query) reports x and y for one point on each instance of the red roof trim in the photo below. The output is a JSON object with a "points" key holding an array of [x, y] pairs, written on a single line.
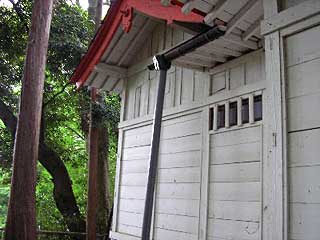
{"points": [[117, 14]]}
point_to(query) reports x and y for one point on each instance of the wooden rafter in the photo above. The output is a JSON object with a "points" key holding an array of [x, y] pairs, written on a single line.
{"points": [[253, 29], [112, 70], [188, 6], [243, 12], [218, 8], [208, 56], [221, 50], [236, 39], [140, 37]]}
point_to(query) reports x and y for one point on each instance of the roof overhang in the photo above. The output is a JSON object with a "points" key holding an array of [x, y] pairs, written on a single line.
{"points": [[121, 14], [129, 23]]}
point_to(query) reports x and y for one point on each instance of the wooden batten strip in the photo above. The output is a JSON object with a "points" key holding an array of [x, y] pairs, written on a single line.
{"points": [[251, 109], [239, 112], [226, 118]]}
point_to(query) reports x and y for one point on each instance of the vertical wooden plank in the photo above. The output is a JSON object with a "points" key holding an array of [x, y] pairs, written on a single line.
{"points": [[226, 113], [239, 112], [205, 160], [270, 8], [124, 95], [251, 109], [215, 117], [117, 182], [273, 208]]}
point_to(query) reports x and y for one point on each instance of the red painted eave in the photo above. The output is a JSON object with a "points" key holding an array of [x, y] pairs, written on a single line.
{"points": [[119, 13]]}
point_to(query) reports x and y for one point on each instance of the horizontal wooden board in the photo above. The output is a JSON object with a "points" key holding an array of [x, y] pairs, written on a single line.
{"points": [[132, 192], [235, 137], [184, 207], [177, 223], [297, 51], [130, 218], [238, 211], [245, 152], [181, 159], [235, 191], [304, 184], [139, 139], [182, 144], [137, 153], [131, 205], [134, 166], [303, 112], [303, 79], [165, 234], [304, 221], [189, 127], [133, 179], [179, 190], [179, 175], [303, 148], [238, 172], [131, 230], [229, 229]]}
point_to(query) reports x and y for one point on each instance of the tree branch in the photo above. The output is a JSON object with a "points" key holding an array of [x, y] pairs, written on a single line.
{"points": [[56, 95]]}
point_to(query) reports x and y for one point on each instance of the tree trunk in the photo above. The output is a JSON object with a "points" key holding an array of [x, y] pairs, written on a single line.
{"points": [[92, 182], [21, 220], [102, 140], [103, 181], [50, 160]]}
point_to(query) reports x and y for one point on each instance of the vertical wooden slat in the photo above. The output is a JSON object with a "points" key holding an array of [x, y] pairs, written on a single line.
{"points": [[239, 111], [251, 108], [215, 117], [273, 192], [226, 119], [205, 161]]}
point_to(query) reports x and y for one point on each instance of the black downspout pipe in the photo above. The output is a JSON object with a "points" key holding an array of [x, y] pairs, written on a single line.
{"points": [[163, 62]]}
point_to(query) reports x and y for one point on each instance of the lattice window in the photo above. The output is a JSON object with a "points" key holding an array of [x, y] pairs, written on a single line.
{"points": [[235, 112]]}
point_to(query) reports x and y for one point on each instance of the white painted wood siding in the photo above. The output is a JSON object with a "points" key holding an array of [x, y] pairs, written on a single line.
{"points": [[235, 184], [303, 98], [178, 188]]}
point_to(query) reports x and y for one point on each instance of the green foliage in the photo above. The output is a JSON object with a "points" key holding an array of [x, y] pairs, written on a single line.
{"points": [[70, 35]]}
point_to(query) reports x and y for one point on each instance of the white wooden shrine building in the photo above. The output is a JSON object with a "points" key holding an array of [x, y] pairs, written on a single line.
{"points": [[239, 154]]}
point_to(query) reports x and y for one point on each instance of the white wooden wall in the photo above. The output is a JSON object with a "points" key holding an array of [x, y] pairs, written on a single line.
{"points": [[185, 168], [235, 184], [303, 98]]}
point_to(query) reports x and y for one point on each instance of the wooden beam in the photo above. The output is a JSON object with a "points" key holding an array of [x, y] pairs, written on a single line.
{"points": [[239, 16], [208, 56], [236, 39], [218, 8], [188, 6], [253, 29], [112, 70], [290, 16], [221, 50], [270, 8], [197, 62]]}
